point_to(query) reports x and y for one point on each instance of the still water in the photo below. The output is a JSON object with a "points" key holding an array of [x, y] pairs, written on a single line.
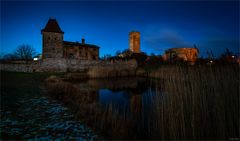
{"points": [[42, 117], [124, 108], [123, 94]]}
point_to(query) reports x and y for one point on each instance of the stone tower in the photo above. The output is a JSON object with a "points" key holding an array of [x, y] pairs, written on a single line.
{"points": [[52, 40], [134, 41]]}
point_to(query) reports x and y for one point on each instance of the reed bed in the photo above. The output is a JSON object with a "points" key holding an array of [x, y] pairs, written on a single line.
{"points": [[191, 102], [200, 102], [83, 103]]}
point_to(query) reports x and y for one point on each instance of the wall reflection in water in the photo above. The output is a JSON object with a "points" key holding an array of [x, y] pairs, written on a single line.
{"points": [[116, 107], [124, 94], [137, 108]]}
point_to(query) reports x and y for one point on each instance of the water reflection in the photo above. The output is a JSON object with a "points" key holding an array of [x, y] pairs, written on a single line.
{"points": [[140, 108], [107, 96], [115, 106], [124, 94]]}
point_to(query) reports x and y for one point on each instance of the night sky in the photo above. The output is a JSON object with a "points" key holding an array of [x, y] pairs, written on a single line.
{"points": [[210, 25]]}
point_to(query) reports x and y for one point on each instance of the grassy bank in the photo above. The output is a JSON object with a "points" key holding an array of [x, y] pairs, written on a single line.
{"points": [[193, 102], [84, 103], [17, 84]]}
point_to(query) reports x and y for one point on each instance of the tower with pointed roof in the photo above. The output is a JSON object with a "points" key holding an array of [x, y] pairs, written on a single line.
{"points": [[52, 40], [53, 45]]}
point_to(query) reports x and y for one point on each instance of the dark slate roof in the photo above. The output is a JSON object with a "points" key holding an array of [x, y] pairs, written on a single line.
{"points": [[52, 26], [79, 44]]}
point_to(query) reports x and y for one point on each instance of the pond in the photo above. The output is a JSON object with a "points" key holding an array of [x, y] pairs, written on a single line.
{"points": [[28, 113], [121, 93], [98, 99], [143, 108], [116, 108]]}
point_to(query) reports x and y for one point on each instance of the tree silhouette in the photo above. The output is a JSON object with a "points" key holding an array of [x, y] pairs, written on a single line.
{"points": [[25, 52], [118, 52], [8, 57]]}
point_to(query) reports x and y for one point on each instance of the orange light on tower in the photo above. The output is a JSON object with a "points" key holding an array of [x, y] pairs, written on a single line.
{"points": [[134, 41]]}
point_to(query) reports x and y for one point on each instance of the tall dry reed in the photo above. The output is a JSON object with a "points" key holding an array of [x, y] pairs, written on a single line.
{"points": [[84, 104], [199, 102], [191, 102]]}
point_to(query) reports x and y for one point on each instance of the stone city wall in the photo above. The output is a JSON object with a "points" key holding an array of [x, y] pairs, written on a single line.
{"points": [[26, 67], [67, 65]]}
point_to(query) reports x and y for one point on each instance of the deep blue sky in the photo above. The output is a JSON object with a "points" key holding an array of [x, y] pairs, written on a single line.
{"points": [[210, 25]]}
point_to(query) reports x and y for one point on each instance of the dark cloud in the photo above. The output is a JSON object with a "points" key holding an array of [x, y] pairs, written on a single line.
{"points": [[163, 39]]}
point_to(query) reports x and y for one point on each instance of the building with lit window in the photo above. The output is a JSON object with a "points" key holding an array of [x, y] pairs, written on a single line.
{"points": [[54, 45]]}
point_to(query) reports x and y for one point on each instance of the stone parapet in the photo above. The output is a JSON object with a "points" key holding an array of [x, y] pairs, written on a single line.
{"points": [[67, 65]]}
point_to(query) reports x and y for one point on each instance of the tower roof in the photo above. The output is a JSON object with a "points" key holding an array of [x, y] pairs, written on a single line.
{"points": [[52, 26]]}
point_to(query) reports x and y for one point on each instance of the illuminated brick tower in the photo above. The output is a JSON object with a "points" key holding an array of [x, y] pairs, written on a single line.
{"points": [[134, 41]]}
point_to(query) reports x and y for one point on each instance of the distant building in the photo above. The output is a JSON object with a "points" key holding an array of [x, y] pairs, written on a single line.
{"points": [[134, 42], [55, 47], [185, 54]]}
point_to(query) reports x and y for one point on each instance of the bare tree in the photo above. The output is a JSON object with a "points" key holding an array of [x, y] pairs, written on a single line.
{"points": [[25, 52], [152, 54], [118, 52], [8, 57], [1, 56], [107, 56]]}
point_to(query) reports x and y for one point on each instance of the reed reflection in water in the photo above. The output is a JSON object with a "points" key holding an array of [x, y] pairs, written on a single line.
{"points": [[141, 108]]}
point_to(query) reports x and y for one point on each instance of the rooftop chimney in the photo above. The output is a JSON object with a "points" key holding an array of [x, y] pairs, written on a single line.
{"points": [[83, 41]]}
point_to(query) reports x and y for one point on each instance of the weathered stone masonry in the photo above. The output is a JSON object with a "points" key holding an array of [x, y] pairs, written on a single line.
{"points": [[54, 45], [64, 56]]}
